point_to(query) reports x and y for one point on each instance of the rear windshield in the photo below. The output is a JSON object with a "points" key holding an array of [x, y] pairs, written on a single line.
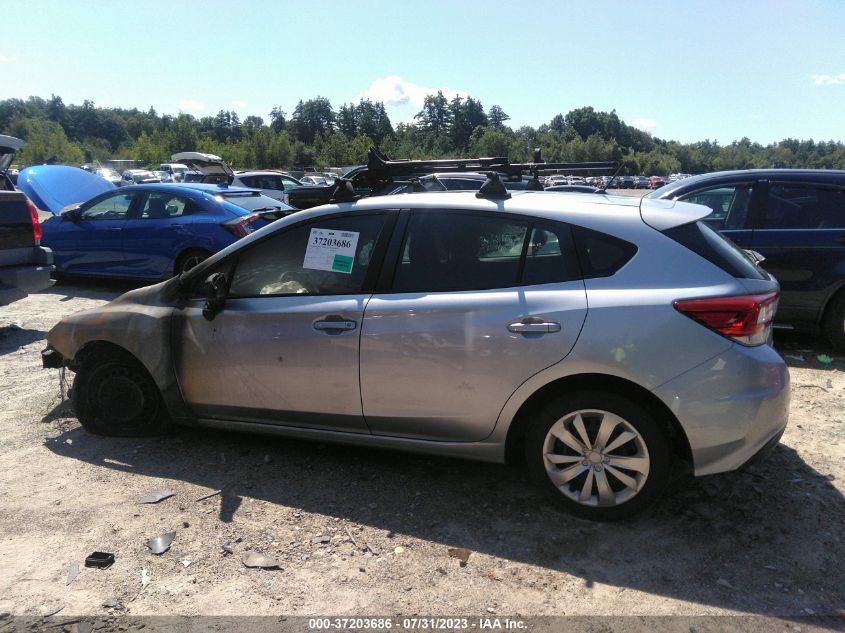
{"points": [[716, 249], [252, 202]]}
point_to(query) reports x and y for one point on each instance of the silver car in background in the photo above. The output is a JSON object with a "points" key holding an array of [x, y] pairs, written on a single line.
{"points": [[607, 343]]}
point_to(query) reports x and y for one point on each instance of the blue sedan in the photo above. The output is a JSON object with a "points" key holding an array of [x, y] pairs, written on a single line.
{"points": [[154, 231]]}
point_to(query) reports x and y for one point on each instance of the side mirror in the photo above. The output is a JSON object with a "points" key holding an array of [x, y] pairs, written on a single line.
{"points": [[214, 289], [72, 215]]}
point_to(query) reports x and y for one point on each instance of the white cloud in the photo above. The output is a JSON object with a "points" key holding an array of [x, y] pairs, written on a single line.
{"points": [[191, 105], [7, 59], [643, 123], [395, 91], [828, 80], [240, 105]]}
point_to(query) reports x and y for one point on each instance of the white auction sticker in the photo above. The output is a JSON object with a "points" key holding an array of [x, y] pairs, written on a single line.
{"points": [[331, 250]]}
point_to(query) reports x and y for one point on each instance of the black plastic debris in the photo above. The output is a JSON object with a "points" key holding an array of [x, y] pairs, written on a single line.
{"points": [[100, 560], [156, 495], [160, 544]]}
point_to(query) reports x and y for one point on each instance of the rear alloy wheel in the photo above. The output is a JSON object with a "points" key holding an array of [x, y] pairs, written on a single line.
{"points": [[113, 394], [190, 259], [601, 455]]}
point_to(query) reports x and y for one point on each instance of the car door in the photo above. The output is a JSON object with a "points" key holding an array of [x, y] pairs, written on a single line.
{"points": [[284, 348], [93, 243], [802, 237], [476, 304], [158, 231]]}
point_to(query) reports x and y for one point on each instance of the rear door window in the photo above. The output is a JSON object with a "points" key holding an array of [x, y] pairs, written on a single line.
{"points": [[799, 206]]}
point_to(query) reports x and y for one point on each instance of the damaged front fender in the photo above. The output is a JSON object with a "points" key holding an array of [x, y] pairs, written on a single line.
{"points": [[138, 322]]}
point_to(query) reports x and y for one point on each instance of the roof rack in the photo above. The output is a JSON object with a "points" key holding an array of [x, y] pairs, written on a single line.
{"points": [[382, 169]]}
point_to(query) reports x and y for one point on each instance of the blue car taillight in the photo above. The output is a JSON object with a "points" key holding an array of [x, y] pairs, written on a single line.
{"points": [[242, 226]]}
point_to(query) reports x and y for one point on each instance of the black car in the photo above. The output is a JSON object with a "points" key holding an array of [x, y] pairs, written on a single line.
{"points": [[795, 218], [454, 181], [623, 182]]}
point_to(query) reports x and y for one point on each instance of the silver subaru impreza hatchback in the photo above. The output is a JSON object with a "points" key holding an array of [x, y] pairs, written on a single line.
{"points": [[607, 343]]}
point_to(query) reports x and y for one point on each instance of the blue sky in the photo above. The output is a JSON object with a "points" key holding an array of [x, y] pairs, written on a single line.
{"points": [[684, 69]]}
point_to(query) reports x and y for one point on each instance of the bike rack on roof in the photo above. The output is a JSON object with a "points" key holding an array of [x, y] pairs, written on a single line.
{"points": [[381, 170]]}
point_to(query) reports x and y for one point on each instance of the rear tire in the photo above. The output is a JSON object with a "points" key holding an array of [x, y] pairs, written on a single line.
{"points": [[622, 466], [834, 322], [189, 259], [113, 394]]}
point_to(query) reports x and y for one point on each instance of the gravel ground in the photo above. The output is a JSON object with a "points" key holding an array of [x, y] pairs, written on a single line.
{"points": [[360, 531]]}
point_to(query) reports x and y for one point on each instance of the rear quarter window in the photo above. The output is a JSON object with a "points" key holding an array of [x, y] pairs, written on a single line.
{"points": [[716, 249], [599, 254]]}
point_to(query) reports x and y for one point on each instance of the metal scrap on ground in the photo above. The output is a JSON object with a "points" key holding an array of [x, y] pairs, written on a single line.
{"points": [[72, 573], [209, 495], [254, 559], [160, 544], [156, 495]]}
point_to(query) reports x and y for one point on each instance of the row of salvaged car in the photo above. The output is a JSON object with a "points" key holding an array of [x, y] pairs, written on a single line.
{"points": [[793, 219]]}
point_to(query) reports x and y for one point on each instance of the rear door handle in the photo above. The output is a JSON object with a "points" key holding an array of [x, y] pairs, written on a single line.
{"points": [[535, 325], [331, 326]]}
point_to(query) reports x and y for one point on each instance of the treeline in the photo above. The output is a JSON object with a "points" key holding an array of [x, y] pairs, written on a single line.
{"points": [[317, 134]]}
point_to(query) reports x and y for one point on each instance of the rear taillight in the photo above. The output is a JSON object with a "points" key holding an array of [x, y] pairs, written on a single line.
{"points": [[37, 231], [242, 226], [746, 319]]}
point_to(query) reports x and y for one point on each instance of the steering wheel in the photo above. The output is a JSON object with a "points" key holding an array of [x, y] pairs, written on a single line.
{"points": [[299, 277]]}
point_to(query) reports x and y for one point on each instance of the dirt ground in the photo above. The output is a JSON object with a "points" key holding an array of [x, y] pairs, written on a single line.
{"points": [[359, 531]]}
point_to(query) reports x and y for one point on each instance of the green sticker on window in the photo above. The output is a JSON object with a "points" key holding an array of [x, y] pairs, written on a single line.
{"points": [[342, 263]]}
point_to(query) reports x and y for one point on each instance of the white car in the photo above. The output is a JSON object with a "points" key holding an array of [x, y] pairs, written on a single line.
{"points": [[271, 183], [177, 171]]}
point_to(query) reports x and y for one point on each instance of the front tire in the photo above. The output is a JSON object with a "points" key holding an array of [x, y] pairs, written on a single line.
{"points": [[113, 394], [834, 322], [600, 455]]}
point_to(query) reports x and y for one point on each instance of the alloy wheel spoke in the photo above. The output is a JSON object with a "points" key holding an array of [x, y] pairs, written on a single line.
{"points": [[555, 458], [623, 438], [606, 495], [578, 424], [587, 488], [566, 475], [638, 464], [608, 424], [629, 481], [560, 432]]}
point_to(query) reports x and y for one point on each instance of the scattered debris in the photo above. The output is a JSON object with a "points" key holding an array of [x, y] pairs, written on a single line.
{"points": [[113, 603], [824, 359], [321, 538], [254, 559], [491, 610], [72, 573], [100, 560], [371, 550], [53, 611], [185, 562], [398, 550], [156, 495], [794, 357], [771, 567], [145, 578], [267, 459], [160, 544], [461, 553], [208, 496], [351, 537], [725, 583], [228, 548]]}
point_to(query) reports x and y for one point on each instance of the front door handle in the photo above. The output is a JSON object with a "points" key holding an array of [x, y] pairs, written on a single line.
{"points": [[331, 326], [535, 325]]}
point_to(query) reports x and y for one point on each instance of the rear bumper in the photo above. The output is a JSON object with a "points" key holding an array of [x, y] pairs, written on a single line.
{"points": [[51, 358], [23, 271], [731, 407]]}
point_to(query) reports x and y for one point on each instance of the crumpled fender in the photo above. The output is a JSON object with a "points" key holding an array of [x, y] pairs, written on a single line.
{"points": [[139, 322]]}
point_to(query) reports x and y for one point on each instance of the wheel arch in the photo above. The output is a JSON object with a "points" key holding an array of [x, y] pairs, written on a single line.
{"points": [[184, 252], [675, 435]]}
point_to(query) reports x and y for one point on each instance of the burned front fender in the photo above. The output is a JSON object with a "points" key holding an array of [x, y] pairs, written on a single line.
{"points": [[138, 322]]}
